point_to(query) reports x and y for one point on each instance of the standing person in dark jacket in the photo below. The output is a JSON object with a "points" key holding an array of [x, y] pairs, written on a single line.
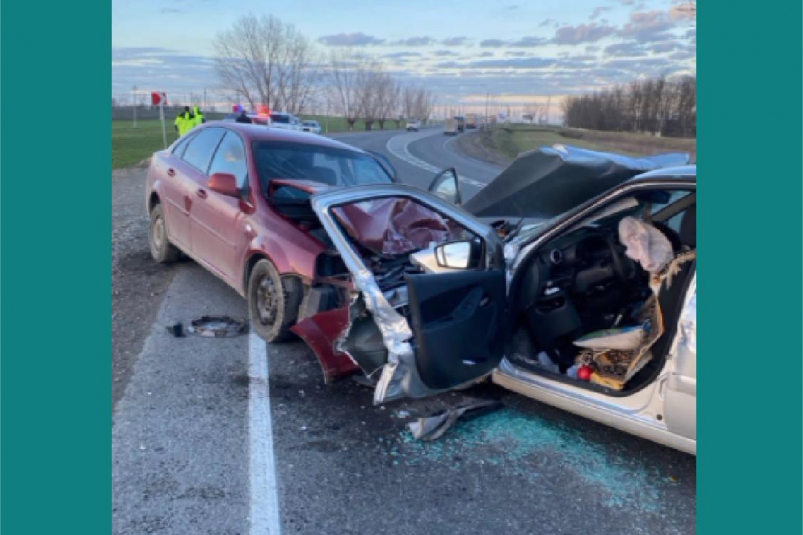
{"points": [[243, 118]]}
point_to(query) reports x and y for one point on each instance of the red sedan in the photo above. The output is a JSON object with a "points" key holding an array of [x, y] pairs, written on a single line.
{"points": [[235, 198]]}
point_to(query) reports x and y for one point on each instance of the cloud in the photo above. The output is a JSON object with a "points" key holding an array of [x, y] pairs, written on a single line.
{"points": [[684, 54], [683, 11], [350, 39], [644, 66], [524, 63], [444, 53], [415, 41], [127, 53], [403, 54], [529, 41], [170, 10], [648, 26], [492, 43], [583, 33], [455, 41], [515, 53], [549, 22], [665, 46], [524, 42], [486, 54], [599, 11], [625, 49]]}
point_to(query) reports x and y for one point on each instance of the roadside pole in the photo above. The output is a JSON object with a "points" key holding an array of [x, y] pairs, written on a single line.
{"points": [[162, 118], [159, 98], [134, 95]]}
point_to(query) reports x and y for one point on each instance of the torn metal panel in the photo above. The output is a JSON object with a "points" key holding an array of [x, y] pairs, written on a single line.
{"points": [[399, 375], [321, 333], [433, 427]]}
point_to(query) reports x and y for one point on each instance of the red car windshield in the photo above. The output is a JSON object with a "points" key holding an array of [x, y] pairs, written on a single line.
{"points": [[329, 166]]}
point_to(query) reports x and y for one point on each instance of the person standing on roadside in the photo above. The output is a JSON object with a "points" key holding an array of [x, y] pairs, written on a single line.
{"points": [[199, 116], [184, 121], [243, 117]]}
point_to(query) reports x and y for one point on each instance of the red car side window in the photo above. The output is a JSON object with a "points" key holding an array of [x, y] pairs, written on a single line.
{"points": [[200, 149]]}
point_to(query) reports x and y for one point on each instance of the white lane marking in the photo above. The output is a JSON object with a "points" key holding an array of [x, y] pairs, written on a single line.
{"points": [[403, 153], [264, 506]]}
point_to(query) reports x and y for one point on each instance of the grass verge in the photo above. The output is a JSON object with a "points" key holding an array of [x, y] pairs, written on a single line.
{"points": [[507, 142]]}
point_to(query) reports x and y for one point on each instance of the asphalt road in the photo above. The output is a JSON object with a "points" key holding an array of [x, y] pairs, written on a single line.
{"points": [[186, 447]]}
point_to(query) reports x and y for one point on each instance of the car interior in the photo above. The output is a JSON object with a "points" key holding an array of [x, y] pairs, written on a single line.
{"points": [[583, 282], [575, 285]]}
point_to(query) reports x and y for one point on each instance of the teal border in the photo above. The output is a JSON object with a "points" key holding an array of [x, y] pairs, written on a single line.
{"points": [[55, 220], [750, 186]]}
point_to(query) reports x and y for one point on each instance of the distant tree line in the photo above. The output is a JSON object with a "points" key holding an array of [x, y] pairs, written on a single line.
{"points": [[657, 106], [261, 60]]}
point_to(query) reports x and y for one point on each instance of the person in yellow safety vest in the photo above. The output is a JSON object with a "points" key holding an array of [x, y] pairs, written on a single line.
{"points": [[185, 121], [199, 116]]}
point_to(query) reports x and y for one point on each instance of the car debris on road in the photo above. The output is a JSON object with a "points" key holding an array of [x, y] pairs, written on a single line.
{"points": [[434, 426], [217, 327]]}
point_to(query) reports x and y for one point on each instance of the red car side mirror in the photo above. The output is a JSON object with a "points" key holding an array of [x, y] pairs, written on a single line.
{"points": [[225, 184]]}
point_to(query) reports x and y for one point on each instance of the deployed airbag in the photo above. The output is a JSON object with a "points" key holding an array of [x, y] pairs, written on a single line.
{"points": [[645, 244]]}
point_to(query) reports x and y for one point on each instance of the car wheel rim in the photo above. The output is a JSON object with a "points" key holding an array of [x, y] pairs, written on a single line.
{"points": [[158, 233], [266, 304]]}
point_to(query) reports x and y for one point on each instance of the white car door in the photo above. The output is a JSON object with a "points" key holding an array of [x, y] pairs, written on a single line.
{"points": [[681, 384]]}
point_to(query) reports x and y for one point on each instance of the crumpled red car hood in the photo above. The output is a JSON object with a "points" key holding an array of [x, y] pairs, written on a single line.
{"points": [[393, 226]]}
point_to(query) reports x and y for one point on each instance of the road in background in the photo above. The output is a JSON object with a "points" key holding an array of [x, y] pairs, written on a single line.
{"points": [[182, 448]]}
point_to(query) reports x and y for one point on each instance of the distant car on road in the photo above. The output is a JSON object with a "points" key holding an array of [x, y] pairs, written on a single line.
{"points": [[311, 126], [450, 127], [472, 120], [461, 123], [413, 125], [284, 121]]}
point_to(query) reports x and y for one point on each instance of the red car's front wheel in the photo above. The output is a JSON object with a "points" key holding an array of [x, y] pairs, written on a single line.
{"points": [[272, 302]]}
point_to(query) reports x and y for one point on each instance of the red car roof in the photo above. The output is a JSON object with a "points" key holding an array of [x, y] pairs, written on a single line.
{"points": [[257, 132]]}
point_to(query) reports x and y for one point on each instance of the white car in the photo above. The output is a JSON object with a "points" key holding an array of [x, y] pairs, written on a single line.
{"points": [[311, 126], [284, 120], [570, 279], [413, 125]]}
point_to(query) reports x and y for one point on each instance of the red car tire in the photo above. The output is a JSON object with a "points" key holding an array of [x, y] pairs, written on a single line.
{"points": [[162, 250], [272, 302]]}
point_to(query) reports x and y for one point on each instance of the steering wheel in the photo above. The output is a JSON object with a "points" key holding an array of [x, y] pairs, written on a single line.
{"points": [[624, 266]]}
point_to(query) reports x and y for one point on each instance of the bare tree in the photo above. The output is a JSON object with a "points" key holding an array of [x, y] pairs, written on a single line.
{"points": [[387, 95], [660, 106], [342, 75], [263, 60]]}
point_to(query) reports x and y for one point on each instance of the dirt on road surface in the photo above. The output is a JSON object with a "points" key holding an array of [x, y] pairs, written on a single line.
{"points": [[137, 281]]}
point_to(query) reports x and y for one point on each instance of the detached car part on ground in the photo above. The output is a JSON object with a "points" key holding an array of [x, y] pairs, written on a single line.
{"points": [[422, 295]]}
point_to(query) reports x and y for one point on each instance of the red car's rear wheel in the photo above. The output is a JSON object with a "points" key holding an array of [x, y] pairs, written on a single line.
{"points": [[161, 249]]}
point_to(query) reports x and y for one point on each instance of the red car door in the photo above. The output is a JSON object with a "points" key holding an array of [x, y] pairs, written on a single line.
{"points": [[217, 224], [177, 184], [188, 172]]}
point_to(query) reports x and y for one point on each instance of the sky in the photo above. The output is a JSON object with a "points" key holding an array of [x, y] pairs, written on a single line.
{"points": [[520, 52]]}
